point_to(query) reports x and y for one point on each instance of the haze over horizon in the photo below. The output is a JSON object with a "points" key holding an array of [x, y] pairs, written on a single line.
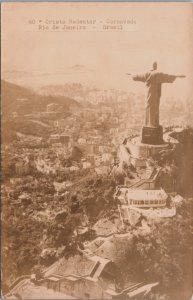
{"points": [[101, 59]]}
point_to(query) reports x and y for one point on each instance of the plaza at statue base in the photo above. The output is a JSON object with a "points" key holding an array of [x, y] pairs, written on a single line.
{"points": [[137, 150]]}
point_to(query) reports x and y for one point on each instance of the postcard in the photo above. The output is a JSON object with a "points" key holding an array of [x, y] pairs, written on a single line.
{"points": [[97, 150]]}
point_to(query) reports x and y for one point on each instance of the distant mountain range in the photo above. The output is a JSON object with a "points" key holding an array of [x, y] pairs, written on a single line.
{"points": [[69, 89], [33, 78], [22, 100]]}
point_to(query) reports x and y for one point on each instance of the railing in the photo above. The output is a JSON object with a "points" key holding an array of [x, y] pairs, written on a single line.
{"points": [[18, 280], [151, 179]]}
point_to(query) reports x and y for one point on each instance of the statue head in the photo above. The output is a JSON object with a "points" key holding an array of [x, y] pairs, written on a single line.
{"points": [[155, 65]]}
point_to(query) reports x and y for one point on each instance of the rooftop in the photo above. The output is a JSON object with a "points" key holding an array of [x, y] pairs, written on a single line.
{"points": [[81, 265]]}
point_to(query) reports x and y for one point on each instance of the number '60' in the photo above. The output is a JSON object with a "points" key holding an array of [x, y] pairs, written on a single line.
{"points": [[32, 21]]}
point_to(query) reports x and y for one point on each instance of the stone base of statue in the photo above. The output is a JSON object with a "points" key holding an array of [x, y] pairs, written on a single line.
{"points": [[152, 135]]}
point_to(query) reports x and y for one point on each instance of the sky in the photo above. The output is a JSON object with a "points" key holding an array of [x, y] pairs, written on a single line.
{"points": [[162, 33]]}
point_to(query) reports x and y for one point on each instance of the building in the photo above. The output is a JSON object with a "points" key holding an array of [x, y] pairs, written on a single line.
{"points": [[135, 203], [54, 138], [107, 158], [82, 276], [63, 139], [141, 198], [86, 165], [82, 141], [146, 198]]}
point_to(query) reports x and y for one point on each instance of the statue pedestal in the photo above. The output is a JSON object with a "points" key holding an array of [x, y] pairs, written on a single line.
{"points": [[152, 135]]}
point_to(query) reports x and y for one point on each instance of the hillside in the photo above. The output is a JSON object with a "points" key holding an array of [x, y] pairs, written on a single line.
{"points": [[24, 101]]}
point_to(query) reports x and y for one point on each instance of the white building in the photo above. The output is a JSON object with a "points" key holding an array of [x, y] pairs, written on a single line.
{"points": [[146, 198]]}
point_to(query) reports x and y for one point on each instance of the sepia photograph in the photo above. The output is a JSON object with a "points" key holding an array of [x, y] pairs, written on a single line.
{"points": [[96, 150]]}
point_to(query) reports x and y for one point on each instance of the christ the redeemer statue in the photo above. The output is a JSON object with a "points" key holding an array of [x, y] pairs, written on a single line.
{"points": [[153, 81]]}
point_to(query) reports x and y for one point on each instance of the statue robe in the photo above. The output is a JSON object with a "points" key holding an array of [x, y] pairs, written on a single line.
{"points": [[153, 81]]}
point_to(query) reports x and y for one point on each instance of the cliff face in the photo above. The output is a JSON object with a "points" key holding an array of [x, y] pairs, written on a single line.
{"points": [[184, 162], [177, 163]]}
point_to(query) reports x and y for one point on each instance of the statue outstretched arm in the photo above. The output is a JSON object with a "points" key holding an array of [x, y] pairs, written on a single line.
{"points": [[140, 77], [180, 76], [166, 78]]}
